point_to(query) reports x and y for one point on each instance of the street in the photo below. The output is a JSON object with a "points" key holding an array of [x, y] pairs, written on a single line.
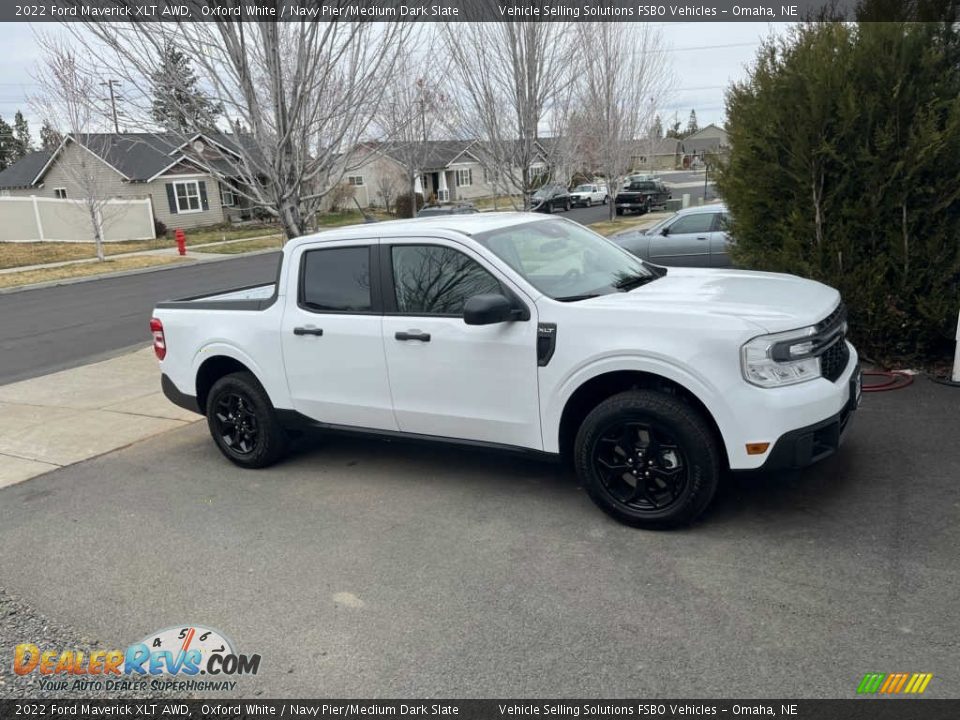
{"points": [[49, 329], [372, 569]]}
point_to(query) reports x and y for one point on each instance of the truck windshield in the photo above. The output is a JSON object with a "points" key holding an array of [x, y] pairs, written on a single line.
{"points": [[565, 261]]}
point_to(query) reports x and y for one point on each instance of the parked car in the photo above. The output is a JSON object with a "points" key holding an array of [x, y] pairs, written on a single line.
{"points": [[447, 209], [550, 198], [514, 331], [589, 195], [642, 196], [694, 237]]}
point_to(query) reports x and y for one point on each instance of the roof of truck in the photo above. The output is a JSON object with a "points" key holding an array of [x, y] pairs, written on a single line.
{"points": [[464, 224]]}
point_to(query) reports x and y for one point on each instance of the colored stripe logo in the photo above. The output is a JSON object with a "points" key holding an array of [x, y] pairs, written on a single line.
{"points": [[894, 683]]}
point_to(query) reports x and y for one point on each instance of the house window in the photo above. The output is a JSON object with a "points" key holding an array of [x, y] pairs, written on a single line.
{"points": [[489, 176], [355, 180], [60, 193], [188, 196], [228, 198], [465, 177]]}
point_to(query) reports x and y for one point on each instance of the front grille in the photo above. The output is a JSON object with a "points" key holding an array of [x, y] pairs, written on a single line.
{"points": [[834, 360], [834, 318]]}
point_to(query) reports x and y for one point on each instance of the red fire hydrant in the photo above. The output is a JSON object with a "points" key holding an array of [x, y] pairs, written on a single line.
{"points": [[181, 242]]}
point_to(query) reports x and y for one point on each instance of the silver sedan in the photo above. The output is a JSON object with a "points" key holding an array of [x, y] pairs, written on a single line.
{"points": [[694, 237]]}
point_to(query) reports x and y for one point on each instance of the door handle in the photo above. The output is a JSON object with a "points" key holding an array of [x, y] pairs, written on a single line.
{"points": [[413, 335], [307, 331], [701, 237]]}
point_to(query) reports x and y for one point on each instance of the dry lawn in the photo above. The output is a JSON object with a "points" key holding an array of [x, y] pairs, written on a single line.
{"points": [[29, 277], [269, 243]]}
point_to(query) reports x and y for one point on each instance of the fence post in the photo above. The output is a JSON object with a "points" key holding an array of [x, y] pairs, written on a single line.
{"points": [[36, 215], [956, 355]]}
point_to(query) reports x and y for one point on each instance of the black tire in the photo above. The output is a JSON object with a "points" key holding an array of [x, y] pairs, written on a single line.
{"points": [[605, 198], [243, 423], [566, 205], [679, 456], [619, 211]]}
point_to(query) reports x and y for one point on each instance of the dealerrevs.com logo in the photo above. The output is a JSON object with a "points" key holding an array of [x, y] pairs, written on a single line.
{"points": [[894, 683], [171, 659]]}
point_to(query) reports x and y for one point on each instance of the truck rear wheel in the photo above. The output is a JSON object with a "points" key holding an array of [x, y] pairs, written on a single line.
{"points": [[243, 423], [648, 459]]}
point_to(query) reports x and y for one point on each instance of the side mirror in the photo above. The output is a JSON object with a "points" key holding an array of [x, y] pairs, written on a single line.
{"points": [[665, 231], [487, 310]]}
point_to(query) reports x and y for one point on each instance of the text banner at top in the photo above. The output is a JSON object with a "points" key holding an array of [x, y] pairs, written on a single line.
{"points": [[432, 10]]}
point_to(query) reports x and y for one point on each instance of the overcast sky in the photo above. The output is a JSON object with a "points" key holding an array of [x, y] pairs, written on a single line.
{"points": [[705, 58]]}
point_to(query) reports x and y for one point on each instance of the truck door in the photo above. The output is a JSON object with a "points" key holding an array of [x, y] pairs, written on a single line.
{"points": [[332, 338], [450, 379]]}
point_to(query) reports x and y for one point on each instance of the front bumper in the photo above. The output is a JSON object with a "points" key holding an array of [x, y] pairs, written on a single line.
{"points": [[802, 447]]}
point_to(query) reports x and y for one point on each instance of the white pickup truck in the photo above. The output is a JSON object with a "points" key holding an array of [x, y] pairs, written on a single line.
{"points": [[525, 333]]}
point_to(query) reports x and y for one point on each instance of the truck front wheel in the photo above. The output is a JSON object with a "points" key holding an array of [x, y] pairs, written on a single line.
{"points": [[243, 423], [648, 459]]}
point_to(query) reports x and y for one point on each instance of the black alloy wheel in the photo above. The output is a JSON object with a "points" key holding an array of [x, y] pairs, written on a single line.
{"points": [[236, 422], [640, 466]]}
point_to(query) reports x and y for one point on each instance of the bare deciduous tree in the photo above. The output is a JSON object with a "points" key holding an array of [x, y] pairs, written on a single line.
{"points": [[304, 91], [64, 102], [411, 116], [619, 89], [505, 77]]}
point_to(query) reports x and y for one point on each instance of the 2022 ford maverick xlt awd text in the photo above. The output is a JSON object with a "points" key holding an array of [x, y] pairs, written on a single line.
{"points": [[522, 332]]}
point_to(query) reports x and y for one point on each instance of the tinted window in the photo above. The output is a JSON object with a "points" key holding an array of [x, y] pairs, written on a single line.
{"points": [[642, 185], [435, 280], [337, 279], [696, 223]]}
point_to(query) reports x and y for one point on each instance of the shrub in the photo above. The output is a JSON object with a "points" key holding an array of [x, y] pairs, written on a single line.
{"points": [[844, 165], [341, 196], [404, 204], [159, 228]]}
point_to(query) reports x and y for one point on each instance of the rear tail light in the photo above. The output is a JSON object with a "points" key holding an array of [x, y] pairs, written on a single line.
{"points": [[159, 341]]}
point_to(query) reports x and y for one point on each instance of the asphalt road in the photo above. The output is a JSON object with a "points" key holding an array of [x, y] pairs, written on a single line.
{"points": [[361, 569], [54, 328]]}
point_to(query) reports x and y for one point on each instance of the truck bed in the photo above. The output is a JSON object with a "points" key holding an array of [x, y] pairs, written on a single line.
{"points": [[252, 297]]}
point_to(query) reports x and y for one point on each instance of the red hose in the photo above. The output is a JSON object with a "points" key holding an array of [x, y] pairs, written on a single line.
{"points": [[893, 380]]}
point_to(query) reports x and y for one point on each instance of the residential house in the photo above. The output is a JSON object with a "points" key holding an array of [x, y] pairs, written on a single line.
{"points": [[176, 175], [453, 171], [709, 140], [658, 154]]}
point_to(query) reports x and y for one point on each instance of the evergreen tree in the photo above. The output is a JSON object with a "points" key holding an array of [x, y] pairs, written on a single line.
{"points": [[178, 104], [844, 165], [656, 129], [22, 144], [692, 126], [674, 131], [50, 139], [6, 144]]}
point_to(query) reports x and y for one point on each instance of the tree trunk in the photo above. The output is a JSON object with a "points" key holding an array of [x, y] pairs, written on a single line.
{"points": [[96, 222], [413, 195], [291, 219]]}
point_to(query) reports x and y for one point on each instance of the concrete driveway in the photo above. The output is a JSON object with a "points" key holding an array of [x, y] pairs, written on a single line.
{"points": [[396, 570]]}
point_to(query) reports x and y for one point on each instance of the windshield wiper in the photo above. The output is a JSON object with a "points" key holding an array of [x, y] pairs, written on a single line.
{"points": [[630, 283], [574, 298]]}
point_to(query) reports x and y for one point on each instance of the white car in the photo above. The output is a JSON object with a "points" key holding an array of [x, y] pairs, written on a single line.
{"points": [[526, 333], [589, 194]]}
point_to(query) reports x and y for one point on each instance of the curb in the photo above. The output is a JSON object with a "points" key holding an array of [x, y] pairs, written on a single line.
{"points": [[136, 271]]}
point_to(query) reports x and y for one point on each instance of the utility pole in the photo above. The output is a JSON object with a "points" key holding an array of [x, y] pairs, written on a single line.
{"points": [[113, 103]]}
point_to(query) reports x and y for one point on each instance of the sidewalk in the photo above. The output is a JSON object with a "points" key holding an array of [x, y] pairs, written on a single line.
{"points": [[60, 419]]}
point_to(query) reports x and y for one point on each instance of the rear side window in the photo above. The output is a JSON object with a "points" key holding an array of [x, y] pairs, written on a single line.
{"points": [[436, 280], [336, 280]]}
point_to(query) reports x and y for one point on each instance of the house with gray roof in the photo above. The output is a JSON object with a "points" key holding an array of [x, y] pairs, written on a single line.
{"points": [[709, 140], [180, 178]]}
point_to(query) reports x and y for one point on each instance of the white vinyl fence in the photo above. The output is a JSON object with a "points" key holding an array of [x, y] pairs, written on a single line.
{"points": [[33, 219]]}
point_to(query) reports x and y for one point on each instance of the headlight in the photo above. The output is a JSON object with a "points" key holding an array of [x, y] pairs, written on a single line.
{"points": [[780, 359]]}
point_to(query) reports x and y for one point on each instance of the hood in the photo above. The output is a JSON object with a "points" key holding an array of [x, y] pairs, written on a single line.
{"points": [[772, 301]]}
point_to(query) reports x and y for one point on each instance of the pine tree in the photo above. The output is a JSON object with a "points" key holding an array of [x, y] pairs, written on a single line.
{"points": [[178, 104], [22, 144], [692, 126], [6, 144], [656, 129], [50, 139]]}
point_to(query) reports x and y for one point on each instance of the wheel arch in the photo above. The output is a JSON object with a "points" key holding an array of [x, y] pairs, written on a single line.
{"points": [[214, 367], [594, 390]]}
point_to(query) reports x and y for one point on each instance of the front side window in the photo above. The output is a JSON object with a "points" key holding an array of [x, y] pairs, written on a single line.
{"points": [[437, 280], [336, 280], [696, 223], [188, 196]]}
